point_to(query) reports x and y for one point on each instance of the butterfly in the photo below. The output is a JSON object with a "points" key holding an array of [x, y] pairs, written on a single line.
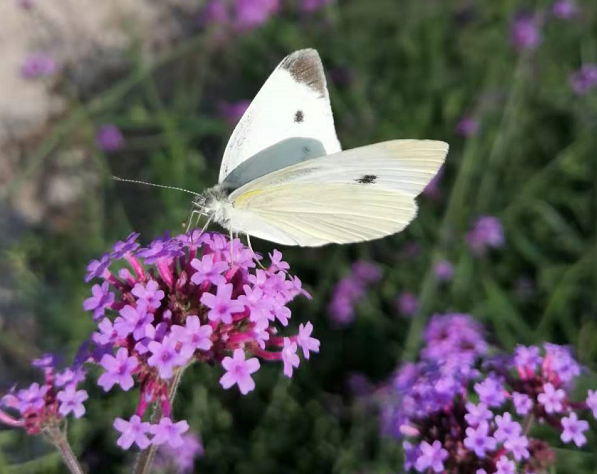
{"points": [[284, 177]]}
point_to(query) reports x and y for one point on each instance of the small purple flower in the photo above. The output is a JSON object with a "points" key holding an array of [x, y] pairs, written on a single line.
{"points": [[477, 414], [585, 79], [109, 138], [491, 392], [166, 431], [367, 272], [238, 371], [467, 127], [478, 439], [253, 13], [486, 233], [408, 304], [45, 361], [32, 398], [506, 428], [525, 33], [133, 321], [70, 377], [505, 466], [564, 9], [559, 360], [592, 402], [444, 270], [38, 65], [71, 401], [289, 356], [305, 340], [574, 429], [522, 403], [96, 268], [119, 370], [551, 398], [165, 356], [193, 334], [148, 295], [133, 431], [518, 446], [122, 248], [207, 270], [431, 456], [102, 298], [215, 12], [221, 305], [411, 454], [232, 112], [527, 357], [310, 6], [277, 264]]}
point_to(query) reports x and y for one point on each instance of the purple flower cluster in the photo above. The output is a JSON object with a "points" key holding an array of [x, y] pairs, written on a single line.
{"points": [[109, 138], [525, 32], [38, 65], [486, 233], [585, 79], [44, 405], [460, 410], [241, 15], [350, 290], [192, 298]]}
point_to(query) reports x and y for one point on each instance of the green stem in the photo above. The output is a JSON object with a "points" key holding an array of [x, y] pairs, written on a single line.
{"points": [[59, 440], [452, 220], [146, 457]]}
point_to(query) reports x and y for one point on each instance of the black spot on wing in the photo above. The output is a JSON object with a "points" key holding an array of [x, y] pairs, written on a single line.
{"points": [[299, 116], [367, 179], [305, 67]]}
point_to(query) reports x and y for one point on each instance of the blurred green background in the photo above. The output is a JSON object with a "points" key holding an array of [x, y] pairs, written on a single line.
{"points": [[396, 69]]}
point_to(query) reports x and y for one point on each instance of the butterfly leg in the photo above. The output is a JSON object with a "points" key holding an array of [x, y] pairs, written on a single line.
{"points": [[254, 254], [191, 219]]}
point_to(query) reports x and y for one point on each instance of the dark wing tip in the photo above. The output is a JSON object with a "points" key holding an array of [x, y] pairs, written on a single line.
{"points": [[305, 67]]}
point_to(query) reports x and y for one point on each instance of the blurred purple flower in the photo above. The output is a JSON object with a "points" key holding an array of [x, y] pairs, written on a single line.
{"points": [[102, 298], [431, 456], [215, 13], [574, 429], [133, 431], [491, 392], [564, 9], [71, 401], [166, 431], [408, 304], [478, 439], [289, 356], [126, 247], [32, 398], [505, 466], [507, 428], [592, 402], [119, 370], [310, 6], [305, 341], [183, 457], [585, 79], [38, 65], [109, 138], [232, 112], [444, 270], [522, 403], [518, 446], [254, 13], [551, 398], [487, 233], [525, 33], [238, 371], [477, 414], [467, 127]]}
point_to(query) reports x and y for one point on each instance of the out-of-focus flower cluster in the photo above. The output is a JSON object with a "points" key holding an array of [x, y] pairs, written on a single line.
{"points": [[45, 405], [192, 298], [350, 290], [460, 409], [486, 233]]}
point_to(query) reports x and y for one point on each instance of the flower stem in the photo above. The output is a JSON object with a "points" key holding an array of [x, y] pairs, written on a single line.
{"points": [[145, 458], [59, 440]]}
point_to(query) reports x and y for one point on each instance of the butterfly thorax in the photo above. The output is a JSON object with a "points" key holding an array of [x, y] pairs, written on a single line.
{"points": [[216, 204]]}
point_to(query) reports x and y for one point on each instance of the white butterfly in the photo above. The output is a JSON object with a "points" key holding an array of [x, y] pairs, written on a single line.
{"points": [[285, 179]]}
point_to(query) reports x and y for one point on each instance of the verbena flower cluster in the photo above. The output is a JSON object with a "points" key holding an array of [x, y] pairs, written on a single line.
{"points": [[350, 290], [47, 404], [192, 298], [462, 410]]}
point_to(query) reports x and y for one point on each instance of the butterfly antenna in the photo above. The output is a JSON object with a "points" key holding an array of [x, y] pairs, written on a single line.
{"points": [[134, 181]]}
